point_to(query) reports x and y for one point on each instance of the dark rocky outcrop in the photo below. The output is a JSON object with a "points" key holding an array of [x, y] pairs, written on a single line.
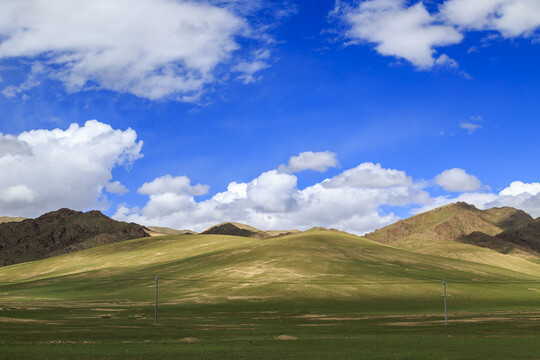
{"points": [[61, 232], [525, 237], [236, 229]]}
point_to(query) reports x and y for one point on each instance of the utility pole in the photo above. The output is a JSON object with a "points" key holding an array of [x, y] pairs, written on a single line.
{"points": [[155, 316], [445, 313]]}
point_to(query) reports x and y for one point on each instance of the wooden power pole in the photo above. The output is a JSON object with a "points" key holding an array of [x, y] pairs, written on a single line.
{"points": [[155, 316], [445, 312]]}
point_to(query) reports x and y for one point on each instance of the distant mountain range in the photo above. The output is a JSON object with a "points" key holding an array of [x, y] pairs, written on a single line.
{"points": [[457, 230]]}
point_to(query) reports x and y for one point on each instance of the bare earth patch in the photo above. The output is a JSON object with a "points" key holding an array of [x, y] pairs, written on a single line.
{"points": [[286, 337], [189, 340], [15, 320]]}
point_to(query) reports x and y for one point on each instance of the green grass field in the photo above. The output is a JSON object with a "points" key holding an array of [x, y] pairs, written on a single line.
{"points": [[312, 295]]}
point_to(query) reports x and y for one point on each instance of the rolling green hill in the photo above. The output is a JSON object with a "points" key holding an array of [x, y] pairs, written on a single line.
{"points": [[310, 295], [322, 264]]}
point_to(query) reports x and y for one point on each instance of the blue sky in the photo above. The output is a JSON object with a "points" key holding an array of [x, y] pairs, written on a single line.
{"points": [[278, 114]]}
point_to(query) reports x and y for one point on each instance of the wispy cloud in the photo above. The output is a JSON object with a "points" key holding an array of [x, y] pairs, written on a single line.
{"points": [[470, 127], [153, 49], [472, 124]]}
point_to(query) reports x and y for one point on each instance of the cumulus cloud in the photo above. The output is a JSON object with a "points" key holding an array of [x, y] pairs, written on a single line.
{"points": [[517, 188], [309, 160], [350, 201], [116, 187], [10, 145], [457, 180], [356, 200], [169, 184], [409, 31], [396, 29], [150, 48], [43, 170], [369, 175], [511, 18], [272, 191]]}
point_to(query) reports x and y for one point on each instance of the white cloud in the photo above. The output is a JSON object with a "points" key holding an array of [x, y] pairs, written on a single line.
{"points": [[43, 170], [170, 194], [272, 191], [234, 192], [409, 31], [150, 48], [116, 187], [470, 127], [247, 69], [369, 175], [350, 201], [308, 160], [518, 188], [445, 60], [18, 194], [457, 180], [10, 145], [511, 18], [177, 185], [167, 203]]}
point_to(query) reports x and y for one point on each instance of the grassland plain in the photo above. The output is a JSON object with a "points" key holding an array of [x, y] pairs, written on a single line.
{"points": [[319, 294]]}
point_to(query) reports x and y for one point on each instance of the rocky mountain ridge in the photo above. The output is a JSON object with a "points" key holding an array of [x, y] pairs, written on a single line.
{"points": [[60, 232], [502, 229]]}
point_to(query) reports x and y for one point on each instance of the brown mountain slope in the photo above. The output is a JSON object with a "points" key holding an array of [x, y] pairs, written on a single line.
{"points": [[61, 232], [450, 223], [462, 231], [525, 238]]}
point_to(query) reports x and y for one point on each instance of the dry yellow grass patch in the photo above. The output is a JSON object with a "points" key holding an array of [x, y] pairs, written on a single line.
{"points": [[285, 337]]}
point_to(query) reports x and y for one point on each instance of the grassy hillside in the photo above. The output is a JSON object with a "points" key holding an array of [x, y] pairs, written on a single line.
{"points": [[320, 294], [5, 219], [214, 268], [160, 230]]}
